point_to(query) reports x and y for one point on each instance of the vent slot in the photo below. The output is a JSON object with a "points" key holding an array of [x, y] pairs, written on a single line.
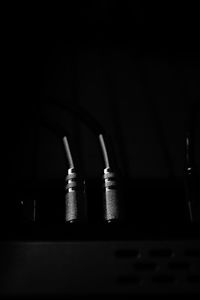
{"points": [[145, 266], [159, 253], [128, 279], [164, 278], [166, 266], [127, 253], [194, 278], [178, 265], [192, 253]]}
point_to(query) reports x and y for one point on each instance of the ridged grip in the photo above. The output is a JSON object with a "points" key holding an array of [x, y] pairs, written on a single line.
{"points": [[111, 197], [75, 200]]}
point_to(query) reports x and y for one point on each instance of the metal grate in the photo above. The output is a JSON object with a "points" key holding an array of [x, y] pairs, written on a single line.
{"points": [[176, 267], [101, 267]]}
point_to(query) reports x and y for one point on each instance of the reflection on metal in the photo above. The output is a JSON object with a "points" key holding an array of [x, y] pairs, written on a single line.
{"points": [[111, 196], [190, 180], [75, 210], [111, 205], [28, 210], [75, 201]]}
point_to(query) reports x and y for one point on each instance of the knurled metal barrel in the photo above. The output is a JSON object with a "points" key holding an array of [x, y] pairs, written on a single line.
{"points": [[111, 197], [75, 200]]}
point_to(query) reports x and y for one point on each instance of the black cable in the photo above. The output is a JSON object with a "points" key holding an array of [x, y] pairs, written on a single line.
{"points": [[86, 118], [75, 198], [75, 90], [79, 112], [192, 192], [58, 130], [158, 125], [161, 137], [190, 171], [114, 115]]}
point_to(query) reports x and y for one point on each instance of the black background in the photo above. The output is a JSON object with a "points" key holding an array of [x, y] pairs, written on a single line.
{"points": [[135, 68]]}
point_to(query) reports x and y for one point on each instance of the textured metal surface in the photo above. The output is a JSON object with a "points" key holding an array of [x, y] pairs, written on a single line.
{"points": [[78, 268], [111, 207], [111, 201], [75, 201]]}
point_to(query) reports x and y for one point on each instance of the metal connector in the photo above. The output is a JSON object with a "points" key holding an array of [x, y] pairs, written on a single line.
{"points": [[191, 185], [111, 197], [75, 200]]}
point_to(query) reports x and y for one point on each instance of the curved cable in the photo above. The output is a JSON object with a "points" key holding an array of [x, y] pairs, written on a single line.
{"points": [[104, 150], [78, 112], [75, 205], [60, 132], [114, 115], [86, 118], [158, 124], [190, 167], [111, 195], [68, 152]]}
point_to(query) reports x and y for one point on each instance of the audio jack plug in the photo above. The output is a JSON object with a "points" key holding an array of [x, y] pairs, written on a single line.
{"points": [[111, 193], [75, 200], [191, 188]]}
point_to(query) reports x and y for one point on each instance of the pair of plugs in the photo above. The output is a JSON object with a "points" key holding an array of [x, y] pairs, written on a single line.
{"points": [[75, 198], [75, 192]]}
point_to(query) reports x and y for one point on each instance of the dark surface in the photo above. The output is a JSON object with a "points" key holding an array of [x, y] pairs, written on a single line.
{"points": [[136, 70], [113, 60], [149, 209], [50, 269]]}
